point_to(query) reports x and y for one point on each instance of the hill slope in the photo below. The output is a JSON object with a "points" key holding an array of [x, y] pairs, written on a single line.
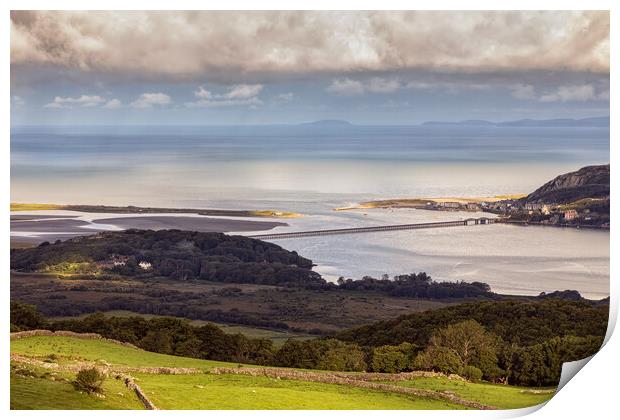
{"points": [[198, 384], [587, 182], [179, 255]]}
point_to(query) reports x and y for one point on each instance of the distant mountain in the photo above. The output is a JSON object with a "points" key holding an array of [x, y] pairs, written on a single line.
{"points": [[466, 122], [587, 182], [558, 122], [328, 123]]}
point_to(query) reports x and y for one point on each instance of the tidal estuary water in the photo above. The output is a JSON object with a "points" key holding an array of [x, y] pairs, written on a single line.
{"points": [[312, 170]]}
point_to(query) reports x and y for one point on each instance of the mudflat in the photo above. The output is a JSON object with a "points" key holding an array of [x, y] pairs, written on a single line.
{"points": [[36, 229], [198, 223]]}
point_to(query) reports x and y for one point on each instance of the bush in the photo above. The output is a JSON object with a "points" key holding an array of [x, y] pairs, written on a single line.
{"points": [[472, 373], [89, 380]]}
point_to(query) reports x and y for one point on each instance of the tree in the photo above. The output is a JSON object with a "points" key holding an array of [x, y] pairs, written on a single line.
{"points": [[343, 357], [472, 373], [157, 341], [466, 340], [25, 317], [440, 359], [392, 359], [456, 346]]}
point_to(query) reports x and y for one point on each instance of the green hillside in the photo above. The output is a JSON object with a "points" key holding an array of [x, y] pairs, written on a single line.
{"points": [[42, 368]]}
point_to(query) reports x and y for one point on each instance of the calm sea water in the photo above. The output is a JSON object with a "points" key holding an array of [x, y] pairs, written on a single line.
{"points": [[314, 169]]}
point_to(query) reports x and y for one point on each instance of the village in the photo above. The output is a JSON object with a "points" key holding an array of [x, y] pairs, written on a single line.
{"points": [[584, 213]]}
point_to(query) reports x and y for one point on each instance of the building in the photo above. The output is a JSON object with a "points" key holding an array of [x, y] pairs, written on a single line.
{"points": [[145, 265], [450, 204], [534, 206], [570, 214]]}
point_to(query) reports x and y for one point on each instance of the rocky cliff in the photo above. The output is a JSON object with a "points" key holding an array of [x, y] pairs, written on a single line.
{"points": [[587, 182]]}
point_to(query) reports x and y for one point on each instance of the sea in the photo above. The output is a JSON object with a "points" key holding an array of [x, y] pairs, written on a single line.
{"points": [[312, 169]]}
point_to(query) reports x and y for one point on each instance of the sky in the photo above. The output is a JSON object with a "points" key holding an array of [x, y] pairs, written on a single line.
{"points": [[179, 68]]}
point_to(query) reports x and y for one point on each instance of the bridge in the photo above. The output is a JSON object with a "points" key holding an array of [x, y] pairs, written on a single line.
{"points": [[348, 231]]}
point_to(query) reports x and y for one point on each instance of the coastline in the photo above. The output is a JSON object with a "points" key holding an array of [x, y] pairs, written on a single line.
{"points": [[90, 208], [33, 228], [425, 203]]}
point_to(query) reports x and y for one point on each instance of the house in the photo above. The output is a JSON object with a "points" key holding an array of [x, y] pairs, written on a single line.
{"points": [[145, 265], [472, 206], [570, 214], [450, 204]]}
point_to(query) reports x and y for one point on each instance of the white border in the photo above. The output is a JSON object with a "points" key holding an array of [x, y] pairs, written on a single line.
{"points": [[592, 394]]}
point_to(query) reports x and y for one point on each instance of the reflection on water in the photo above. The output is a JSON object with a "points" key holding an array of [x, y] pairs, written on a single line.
{"points": [[312, 171]]}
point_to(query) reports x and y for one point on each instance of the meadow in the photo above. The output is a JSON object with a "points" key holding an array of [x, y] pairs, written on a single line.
{"points": [[42, 368]]}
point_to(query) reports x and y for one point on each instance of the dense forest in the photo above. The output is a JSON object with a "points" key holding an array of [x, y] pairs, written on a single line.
{"points": [[520, 322], [522, 343]]}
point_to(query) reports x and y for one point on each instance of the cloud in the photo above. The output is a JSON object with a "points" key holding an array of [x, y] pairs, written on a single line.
{"points": [[236, 45], [67, 102], [568, 93], [147, 100], [113, 104], [284, 97], [243, 91], [346, 87], [576, 93], [237, 95], [449, 86], [523, 92], [379, 85]]}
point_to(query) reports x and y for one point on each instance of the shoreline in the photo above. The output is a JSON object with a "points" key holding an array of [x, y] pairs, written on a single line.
{"points": [[33, 229], [91, 208], [424, 203]]}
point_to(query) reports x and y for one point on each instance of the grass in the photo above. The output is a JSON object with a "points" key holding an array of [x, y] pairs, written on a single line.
{"points": [[32, 206], [501, 396], [95, 350], [229, 391], [28, 393], [223, 392]]}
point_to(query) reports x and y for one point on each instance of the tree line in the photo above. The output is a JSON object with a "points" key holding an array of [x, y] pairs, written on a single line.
{"points": [[528, 348]]}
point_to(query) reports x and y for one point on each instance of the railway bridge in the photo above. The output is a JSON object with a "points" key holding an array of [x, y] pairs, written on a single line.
{"points": [[347, 231]]}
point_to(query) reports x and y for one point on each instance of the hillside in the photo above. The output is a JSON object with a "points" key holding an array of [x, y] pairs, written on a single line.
{"points": [[178, 255], [525, 323], [43, 367], [587, 182]]}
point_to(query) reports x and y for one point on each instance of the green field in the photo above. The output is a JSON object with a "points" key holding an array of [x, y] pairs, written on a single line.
{"points": [[500, 396], [246, 392], [212, 391], [53, 391]]}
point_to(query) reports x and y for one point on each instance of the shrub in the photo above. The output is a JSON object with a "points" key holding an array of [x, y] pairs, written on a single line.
{"points": [[89, 380], [472, 373]]}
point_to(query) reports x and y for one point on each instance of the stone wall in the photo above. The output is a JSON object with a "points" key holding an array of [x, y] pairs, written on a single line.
{"points": [[356, 380]]}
